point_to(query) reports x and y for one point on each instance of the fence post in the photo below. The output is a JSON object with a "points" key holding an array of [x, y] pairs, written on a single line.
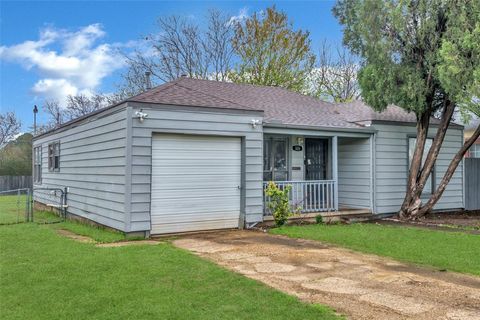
{"points": [[64, 205], [27, 205]]}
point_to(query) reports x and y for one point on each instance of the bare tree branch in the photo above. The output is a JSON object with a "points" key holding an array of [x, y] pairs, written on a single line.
{"points": [[335, 77], [181, 47], [9, 127]]}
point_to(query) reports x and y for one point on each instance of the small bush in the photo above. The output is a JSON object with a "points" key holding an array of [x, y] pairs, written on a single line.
{"points": [[279, 203], [319, 219]]}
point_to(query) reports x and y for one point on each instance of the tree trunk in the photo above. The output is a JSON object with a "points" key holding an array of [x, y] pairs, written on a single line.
{"points": [[448, 174], [410, 203], [435, 148]]}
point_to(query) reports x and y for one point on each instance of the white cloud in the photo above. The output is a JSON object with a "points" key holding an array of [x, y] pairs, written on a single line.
{"points": [[242, 15], [67, 62], [54, 88]]}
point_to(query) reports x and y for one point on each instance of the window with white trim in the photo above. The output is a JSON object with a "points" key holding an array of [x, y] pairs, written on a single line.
{"points": [[37, 165], [54, 156], [429, 185]]}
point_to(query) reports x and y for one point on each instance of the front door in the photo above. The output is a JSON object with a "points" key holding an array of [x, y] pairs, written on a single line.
{"points": [[316, 159]]}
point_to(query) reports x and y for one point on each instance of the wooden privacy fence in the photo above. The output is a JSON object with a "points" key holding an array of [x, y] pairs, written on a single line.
{"points": [[472, 183], [15, 182]]}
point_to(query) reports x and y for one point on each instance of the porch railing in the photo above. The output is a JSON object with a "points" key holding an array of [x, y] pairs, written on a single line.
{"points": [[309, 196]]}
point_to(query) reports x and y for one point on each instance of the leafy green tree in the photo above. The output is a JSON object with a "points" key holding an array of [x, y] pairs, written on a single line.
{"points": [[423, 56], [271, 52], [16, 157]]}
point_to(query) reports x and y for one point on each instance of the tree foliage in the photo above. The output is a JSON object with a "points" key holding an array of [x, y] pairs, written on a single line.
{"points": [[271, 52], [16, 157], [423, 56]]}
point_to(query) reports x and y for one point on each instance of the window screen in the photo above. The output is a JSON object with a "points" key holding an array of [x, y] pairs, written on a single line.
{"points": [[54, 156], [37, 165]]}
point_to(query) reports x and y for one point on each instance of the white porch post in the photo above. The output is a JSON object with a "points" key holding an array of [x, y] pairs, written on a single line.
{"points": [[335, 170]]}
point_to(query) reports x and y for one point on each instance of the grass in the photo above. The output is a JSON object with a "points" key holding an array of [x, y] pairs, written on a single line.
{"points": [[47, 276], [12, 208], [456, 251], [96, 233]]}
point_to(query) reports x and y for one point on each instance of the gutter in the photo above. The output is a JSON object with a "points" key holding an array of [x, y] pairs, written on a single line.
{"points": [[319, 128]]}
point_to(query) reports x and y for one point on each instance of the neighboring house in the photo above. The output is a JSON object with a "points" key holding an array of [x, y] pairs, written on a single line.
{"points": [[195, 155]]}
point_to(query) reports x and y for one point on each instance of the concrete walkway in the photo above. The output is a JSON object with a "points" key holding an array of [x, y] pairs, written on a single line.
{"points": [[358, 285]]}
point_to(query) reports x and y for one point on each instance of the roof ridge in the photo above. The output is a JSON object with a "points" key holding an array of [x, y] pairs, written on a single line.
{"points": [[234, 83], [157, 89], [214, 96], [305, 96]]}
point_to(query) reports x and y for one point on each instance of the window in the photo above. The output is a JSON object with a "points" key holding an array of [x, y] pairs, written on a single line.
{"points": [[429, 185], [37, 165], [54, 156], [474, 151], [275, 164]]}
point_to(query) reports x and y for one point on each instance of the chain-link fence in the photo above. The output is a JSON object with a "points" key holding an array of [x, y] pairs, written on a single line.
{"points": [[50, 205], [15, 206], [44, 205]]}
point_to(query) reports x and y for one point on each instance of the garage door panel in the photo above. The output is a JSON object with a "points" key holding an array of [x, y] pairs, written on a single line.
{"points": [[195, 183], [171, 193], [206, 183], [187, 162], [195, 226], [184, 217], [206, 171], [199, 181], [199, 203]]}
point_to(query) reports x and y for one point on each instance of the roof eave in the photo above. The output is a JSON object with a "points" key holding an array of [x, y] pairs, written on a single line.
{"points": [[319, 128], [411, 123]]}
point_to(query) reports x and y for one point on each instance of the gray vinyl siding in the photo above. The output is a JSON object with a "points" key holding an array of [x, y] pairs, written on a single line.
{"points": [[92, 167], [392, 167], [175, 119], [354, 172]]}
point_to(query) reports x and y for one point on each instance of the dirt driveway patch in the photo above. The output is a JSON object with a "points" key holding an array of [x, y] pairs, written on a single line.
{"points": [[358, 285]]}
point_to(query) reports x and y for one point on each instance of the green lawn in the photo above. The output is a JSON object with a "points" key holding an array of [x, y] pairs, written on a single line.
{"points": [[12, 208], [47, 276], [455, 251]]}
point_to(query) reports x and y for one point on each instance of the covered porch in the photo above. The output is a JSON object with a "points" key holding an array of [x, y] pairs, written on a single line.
{"points": [[329, 174]]}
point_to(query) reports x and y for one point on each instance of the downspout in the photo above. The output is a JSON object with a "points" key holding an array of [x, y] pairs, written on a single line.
{"points": [[373, 143]]}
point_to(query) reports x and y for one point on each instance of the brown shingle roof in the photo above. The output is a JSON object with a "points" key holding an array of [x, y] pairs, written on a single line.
{"points": [[279, 105]]}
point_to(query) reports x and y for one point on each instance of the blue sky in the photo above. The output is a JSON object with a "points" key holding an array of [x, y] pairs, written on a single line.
{"points": [[50, 49]]}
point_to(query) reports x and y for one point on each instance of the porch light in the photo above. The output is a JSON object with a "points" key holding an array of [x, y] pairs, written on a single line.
{"points": [[300, 140]]}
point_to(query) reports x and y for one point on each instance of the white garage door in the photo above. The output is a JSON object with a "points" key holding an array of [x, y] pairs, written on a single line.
{"points": [[195, 183]]}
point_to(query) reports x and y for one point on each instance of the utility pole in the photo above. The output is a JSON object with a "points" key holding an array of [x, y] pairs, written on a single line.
{"points": [[35, 111]]}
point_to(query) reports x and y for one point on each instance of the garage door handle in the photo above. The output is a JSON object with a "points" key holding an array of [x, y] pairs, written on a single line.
{"points": [[239, 187]]}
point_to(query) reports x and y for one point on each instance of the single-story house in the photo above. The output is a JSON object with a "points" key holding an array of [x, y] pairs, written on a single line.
{"points": [[194, 155]]}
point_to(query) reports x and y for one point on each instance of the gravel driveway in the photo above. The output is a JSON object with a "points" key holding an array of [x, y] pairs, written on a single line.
{"points": [[358, 285]]}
